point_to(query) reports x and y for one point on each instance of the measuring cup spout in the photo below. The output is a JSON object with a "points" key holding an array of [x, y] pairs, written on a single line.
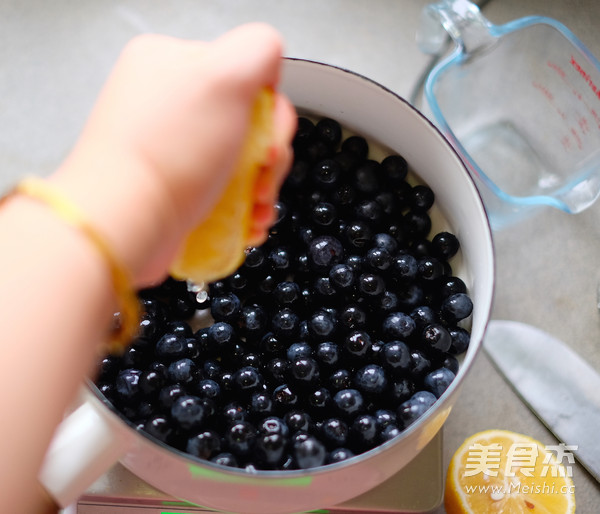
{"points": [[460, 19]]}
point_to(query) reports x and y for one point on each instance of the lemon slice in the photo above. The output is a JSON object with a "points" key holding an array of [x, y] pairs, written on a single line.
{"points": [[215, 248], [499, 471]]}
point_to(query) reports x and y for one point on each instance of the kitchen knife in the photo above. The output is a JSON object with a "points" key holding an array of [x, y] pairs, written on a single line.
{"points": [[557, 384]]}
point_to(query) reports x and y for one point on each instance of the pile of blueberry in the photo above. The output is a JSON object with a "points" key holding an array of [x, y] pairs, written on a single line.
{"points": [[331, 338]]}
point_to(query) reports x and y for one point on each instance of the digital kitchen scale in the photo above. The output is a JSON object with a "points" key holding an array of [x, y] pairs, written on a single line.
{"points": [[417, 488]]}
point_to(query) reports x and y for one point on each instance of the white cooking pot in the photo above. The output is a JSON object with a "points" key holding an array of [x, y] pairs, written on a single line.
{"points": [[95, 436]]}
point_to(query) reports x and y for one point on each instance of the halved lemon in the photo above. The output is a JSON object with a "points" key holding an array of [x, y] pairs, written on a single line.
{"points": [[499, 471], [215, 248]]}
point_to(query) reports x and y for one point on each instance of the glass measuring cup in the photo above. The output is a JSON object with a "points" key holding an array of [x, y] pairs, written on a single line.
{"points": [[520, 102]]}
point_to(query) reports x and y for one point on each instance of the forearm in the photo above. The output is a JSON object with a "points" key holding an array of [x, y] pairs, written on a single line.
{"points": [[54, 286]]}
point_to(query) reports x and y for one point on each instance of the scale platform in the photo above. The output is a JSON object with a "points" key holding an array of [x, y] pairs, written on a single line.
{"points": [[419, 487]]}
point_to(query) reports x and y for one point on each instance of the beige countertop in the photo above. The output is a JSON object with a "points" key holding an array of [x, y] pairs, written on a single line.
{"points": [[55, 56]]}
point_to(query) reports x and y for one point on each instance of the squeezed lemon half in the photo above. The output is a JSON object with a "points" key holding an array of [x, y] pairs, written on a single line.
{"points": [[499, 471], [215, 248]]}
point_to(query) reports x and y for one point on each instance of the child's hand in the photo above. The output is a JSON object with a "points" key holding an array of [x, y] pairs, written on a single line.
{"points": [[163, 138]]}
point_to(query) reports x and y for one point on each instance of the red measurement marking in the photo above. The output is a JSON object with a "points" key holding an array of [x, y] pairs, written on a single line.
{"points": [[596, 117], [545, 91], [577, 138], [585, 76], [584, 125], [557, 68]]}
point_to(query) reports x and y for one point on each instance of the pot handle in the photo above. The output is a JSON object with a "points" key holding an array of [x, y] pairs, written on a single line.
{"points": [[86, 444]]}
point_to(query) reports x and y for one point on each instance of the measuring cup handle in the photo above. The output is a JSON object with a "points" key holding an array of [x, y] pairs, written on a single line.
{"points": [[461, 19], [85, 445]]}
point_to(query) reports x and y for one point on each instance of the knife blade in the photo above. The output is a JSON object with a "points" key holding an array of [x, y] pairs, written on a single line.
{"points": [[560, 387]]}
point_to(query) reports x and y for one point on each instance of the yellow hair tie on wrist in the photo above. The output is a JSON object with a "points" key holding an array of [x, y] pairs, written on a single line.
{"points": [[129, 306]]}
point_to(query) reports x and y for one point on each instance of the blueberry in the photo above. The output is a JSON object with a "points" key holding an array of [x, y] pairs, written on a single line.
{"points": [[460, 340], [413, 408], [225, 459], [225, 307], [371, 379], [341, 277], [261, 404], [416, 223], [357, 343], [335, 432], [436, 336], [208, 388], [171, 347], [297, 420], [456, 307], [451, 362], [421, 197], [252, 322], [348, 402], [248, 379], [398, 325], [168, 394], [404, 267], [386, 242], [271, 344], [324, 290], [445, 245], [438, 380], [182, 371], [204, 444], [301, 350], [211, 369], [358, 234], [309, 453], [280, 260], [420, 364], [305, 370], [187, 412], [285, 323], [384, 418], [255, 259], [352, 317], [340, 379], [387, 303], [356, 146], [233, 412], [221, 336], [343, 197], [388, 433], [450, 285], [326, 174], [401, 390], [329, 131], [127, 385], [378, 259], [395, 168], [277, 370], [321, 326], [160, 427], [328, 353], [364, 432], [423, 315], [284, 398], [240, 438], [287, 294], [430, 269], [366, 177], [270, 449], [324, 215], [395, 357], [325, 251], [339, 455], [370, 285]]}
